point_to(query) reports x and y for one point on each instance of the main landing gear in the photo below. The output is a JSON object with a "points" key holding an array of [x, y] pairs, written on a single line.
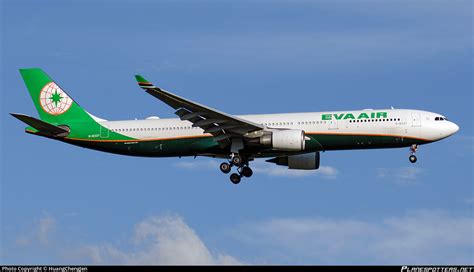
{"points": [[413, 149], [243, 169]]}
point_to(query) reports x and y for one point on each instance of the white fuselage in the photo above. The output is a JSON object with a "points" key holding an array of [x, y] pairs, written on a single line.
{"points": [[398, 122]]}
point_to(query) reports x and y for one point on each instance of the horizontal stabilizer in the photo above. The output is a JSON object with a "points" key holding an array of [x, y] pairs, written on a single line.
{"points": [[41, 126]]}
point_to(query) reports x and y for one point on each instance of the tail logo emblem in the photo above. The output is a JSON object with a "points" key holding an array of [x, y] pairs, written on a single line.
{"points": [[53, 100]]}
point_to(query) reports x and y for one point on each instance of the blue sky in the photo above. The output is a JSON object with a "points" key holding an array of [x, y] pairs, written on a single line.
{"points": [[64, 204]]}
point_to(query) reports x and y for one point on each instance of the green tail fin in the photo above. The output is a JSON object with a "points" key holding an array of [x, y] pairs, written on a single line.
{"points": [[53, 104]]}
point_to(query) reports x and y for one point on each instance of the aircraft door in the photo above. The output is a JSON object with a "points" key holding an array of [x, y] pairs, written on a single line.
{"points": [[333, 125], [415, 120], [104, 133]]}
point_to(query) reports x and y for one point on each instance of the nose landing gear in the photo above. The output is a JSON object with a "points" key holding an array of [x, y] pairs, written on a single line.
{"points": [[243, 169], [413, 149]]}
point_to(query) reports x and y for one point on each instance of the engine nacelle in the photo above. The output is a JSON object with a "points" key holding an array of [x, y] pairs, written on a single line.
{"points": [[286, 140], [308, 161]]}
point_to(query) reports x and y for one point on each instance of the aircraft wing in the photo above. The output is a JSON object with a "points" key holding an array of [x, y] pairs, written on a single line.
{"points": [[221, 125]]}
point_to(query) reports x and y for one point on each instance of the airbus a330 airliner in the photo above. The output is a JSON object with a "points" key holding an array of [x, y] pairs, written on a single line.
{"points": [[294, 140]]}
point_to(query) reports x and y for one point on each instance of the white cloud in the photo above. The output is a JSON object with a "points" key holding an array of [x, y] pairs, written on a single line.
{"points": [[403, 175], [262, 167], [198, 164], [40, 233], [45, 225], [433, 237], [273, 170], [469, 201], [165, 240], [409, 173], [419, 237], [158, 240]]}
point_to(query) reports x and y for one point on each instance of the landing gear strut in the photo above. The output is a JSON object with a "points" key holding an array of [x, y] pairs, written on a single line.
{"points": [[413, 149], [243, 169]]}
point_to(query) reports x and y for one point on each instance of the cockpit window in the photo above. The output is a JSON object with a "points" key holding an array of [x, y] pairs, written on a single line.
{"points": [[441, 119]]}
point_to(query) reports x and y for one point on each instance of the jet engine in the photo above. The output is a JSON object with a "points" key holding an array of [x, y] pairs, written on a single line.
{"points": [[308, 161], [285, 140]]}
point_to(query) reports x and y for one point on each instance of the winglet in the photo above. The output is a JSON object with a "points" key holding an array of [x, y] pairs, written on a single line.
{"points": [[143, 83]]}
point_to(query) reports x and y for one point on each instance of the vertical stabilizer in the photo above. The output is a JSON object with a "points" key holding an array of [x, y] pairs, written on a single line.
{"points": [[53, 104]]}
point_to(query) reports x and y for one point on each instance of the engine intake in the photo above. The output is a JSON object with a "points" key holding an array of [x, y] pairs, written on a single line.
{"points": [[286, 140]]}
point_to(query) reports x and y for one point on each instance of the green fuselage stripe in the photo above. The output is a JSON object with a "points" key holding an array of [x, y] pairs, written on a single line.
{"points": [[203, 144]]}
